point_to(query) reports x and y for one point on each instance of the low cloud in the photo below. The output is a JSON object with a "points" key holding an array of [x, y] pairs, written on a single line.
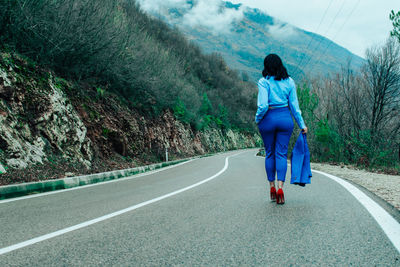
{"points": [[162, 5], [211, 14], [282, 30]]}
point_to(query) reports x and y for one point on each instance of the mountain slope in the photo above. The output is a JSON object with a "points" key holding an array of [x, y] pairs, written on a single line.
{"points": [[102, 86], [256, 34], [51, 126]]}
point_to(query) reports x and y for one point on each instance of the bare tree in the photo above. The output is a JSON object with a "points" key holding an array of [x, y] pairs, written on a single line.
{"points": [[382, 84], [363, 108]]}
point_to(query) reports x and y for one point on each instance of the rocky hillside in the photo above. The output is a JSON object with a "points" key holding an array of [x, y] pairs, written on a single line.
{"points": [[50, 126]]}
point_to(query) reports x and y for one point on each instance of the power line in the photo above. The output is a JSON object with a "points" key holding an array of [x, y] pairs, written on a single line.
{"points": [[330, 26], [312, 38], [337, 33]]}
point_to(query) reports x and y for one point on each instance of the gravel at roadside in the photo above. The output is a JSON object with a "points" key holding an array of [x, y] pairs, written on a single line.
{"points": [[385, 186]]}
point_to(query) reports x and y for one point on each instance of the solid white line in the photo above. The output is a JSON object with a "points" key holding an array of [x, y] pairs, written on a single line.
{"points": [[388, 224], [111, 215], [96, 184]]}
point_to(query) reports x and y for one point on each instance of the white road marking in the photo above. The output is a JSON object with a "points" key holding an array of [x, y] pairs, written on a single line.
{"points": [[96, 184], [111, 215], [388, 224]]}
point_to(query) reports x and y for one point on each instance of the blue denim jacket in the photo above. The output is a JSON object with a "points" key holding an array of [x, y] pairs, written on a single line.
{"points": [[300, 162], [272, 93]]}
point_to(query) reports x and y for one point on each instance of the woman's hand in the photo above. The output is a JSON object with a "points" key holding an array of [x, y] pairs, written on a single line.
{"points": [[305, 130]]}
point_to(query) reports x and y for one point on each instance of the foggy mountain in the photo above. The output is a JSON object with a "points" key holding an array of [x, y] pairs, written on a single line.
{"points": [[244, 36]]}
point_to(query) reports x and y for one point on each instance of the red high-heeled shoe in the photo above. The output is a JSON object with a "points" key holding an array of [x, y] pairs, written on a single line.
{"points": [[273, 194], [280, 197]]}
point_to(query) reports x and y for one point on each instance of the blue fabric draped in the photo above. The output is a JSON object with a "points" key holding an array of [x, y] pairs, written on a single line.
{"points": [[300, 162]]}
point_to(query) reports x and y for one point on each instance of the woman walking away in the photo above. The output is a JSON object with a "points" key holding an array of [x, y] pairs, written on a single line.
{"points": [[276, 98]]}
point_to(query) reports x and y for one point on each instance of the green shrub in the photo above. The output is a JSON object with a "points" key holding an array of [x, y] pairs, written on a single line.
{"points": [[105, 132], [222, 120], [180, 111], [113, 45], [395, 18]]}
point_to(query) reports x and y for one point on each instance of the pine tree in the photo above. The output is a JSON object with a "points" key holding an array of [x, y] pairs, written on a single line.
{"points": [[395, 18]]}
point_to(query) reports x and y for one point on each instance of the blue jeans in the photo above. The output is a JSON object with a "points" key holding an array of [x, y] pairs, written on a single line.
{"points": [[276, 128]]}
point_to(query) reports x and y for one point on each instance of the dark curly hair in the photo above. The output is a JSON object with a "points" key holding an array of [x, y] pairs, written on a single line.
{"points": [[273, 66]]}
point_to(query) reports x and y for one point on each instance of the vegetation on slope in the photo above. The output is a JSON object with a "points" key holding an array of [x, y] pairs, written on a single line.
{"points": [[354, 116], [244, 43], [115, 46], [50, 126]]}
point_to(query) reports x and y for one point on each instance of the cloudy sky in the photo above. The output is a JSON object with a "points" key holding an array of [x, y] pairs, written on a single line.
{"points": [[353, 24]]}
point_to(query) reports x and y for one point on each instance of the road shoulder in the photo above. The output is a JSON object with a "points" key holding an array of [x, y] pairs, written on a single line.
{"points": [[384, 189]]}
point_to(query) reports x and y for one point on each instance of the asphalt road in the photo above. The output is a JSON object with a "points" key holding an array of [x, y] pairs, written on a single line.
{"points": [[228, 221]]}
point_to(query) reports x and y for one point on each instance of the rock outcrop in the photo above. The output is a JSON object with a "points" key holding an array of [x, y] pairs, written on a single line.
{"points": [[37, 120], [42, 116]]}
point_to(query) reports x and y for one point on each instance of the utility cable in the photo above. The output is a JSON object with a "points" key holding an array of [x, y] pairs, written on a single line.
{"points": [[337, 33], [312, 37], [325, 34]]}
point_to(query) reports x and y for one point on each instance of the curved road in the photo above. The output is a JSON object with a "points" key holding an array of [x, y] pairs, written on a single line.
{"points": [[226, 221]]}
